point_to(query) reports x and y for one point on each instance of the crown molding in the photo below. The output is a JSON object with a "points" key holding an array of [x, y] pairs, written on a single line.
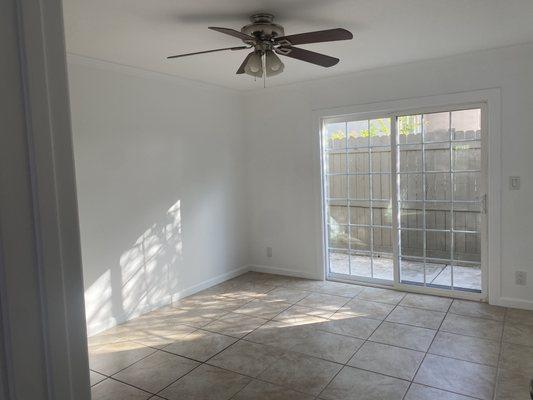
{"points": [[78, 59]]}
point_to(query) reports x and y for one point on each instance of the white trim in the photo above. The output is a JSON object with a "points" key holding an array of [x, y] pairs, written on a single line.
{"points": [[412, 288], [94, 328], [97, 327], [318, 188], [494, 195], [285, 272], [492, 98], [77, 59], [209, 283], [516, 303], [42, 273]]}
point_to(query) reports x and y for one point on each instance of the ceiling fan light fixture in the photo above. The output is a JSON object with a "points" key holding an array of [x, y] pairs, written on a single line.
{"points": [[254, 66], [274, 66], [268, 39]]}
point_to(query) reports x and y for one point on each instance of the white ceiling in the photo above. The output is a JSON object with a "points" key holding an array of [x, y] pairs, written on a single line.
{"points": [[142, 33]]}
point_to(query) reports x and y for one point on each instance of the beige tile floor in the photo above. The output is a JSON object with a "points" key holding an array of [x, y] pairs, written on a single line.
{"points": [[269, 337]]}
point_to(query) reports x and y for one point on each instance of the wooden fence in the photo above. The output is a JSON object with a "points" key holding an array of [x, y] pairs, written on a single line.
{"points": [[438, 211]]}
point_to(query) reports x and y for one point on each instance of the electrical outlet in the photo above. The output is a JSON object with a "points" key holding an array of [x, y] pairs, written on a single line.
{"points": [[269, 252], [521, 278]]}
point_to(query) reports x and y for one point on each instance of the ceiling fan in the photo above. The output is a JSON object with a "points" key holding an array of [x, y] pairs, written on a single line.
{"points": [[267, 39]]}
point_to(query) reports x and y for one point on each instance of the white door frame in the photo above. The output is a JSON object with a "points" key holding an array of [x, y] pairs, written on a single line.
{"points": [[491, 126], [43, 342]]}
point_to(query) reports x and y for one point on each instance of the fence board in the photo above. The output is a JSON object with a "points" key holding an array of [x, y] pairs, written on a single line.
{"points": [[438, 187]]}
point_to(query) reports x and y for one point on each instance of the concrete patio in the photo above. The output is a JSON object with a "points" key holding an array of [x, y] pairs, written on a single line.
{"points": [[468, 278]]}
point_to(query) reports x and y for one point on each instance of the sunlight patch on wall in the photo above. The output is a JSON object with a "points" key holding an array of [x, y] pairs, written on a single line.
{"points": [[145, 276]]}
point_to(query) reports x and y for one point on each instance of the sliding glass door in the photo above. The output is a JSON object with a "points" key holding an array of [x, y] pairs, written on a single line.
{"points": [[358, 187], [404, 198]]}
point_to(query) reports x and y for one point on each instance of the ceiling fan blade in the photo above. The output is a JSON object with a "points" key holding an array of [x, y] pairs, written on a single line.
{"points": [[233, 32], [329, 35], [308, 56], [209, 51], [241, 68]]}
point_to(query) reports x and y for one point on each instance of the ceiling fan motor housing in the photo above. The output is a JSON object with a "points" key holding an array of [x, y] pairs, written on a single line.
{"points": [[263, 27]]}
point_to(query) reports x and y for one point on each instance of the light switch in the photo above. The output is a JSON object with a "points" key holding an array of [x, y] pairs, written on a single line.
{"points": [[514, 182]]}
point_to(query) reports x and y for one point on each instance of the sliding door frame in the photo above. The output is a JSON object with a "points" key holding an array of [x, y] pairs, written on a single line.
{"points": [[371, 226], [489, 102]]}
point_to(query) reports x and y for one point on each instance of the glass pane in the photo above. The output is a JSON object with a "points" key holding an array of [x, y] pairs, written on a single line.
{"points": [[468, 218], [361, 264], [438, 186], [467, 277], [411, 187], [338, 236], [382, 215], [360, 238], [412, 243], [381, 185], [410, 129], [358, 133], [380, 132], [438, 216], [411, 271], [438, 245], [338, 212], [411, 215], [438, 274], [437, 157], [337, 186], [411, 158], [335, 136], [338, 262], [382, 240], [359, 187], [336, 163], [381, 159], [431, 169], [358, 161], [436, 127], [383, 267], [467, 156], [359, 213], [467, 246], [466, 124], [466, 186]]}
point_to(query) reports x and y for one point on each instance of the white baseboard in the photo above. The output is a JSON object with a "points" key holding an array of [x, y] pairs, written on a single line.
{"points": [[515, 303], [99, 326], [210, 282], [96, 327], [283, 271]]}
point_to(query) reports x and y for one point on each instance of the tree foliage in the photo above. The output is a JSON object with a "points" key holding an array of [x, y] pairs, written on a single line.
{"points": [[409, 124]]}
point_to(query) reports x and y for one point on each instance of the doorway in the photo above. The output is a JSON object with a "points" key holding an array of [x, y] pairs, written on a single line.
{"points": [[404, 198]]}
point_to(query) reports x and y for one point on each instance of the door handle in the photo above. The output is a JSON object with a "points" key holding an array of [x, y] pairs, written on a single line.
{"points": [[483, 203]]}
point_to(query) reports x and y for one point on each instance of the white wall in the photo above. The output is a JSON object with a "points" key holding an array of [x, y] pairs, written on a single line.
{"points": [[181, 183], [281, 138], [159, 168]]}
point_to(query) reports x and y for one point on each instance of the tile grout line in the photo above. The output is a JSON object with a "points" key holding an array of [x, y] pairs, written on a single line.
{"points": [[167, 352], [225, 348], [310, 292], [364, 340], [205, 362], [284, 350], [427, 351], [362, 344], [498, 367]]}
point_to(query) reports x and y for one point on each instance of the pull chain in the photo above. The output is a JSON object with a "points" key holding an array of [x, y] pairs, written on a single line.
{"points": [[263, 59]]}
